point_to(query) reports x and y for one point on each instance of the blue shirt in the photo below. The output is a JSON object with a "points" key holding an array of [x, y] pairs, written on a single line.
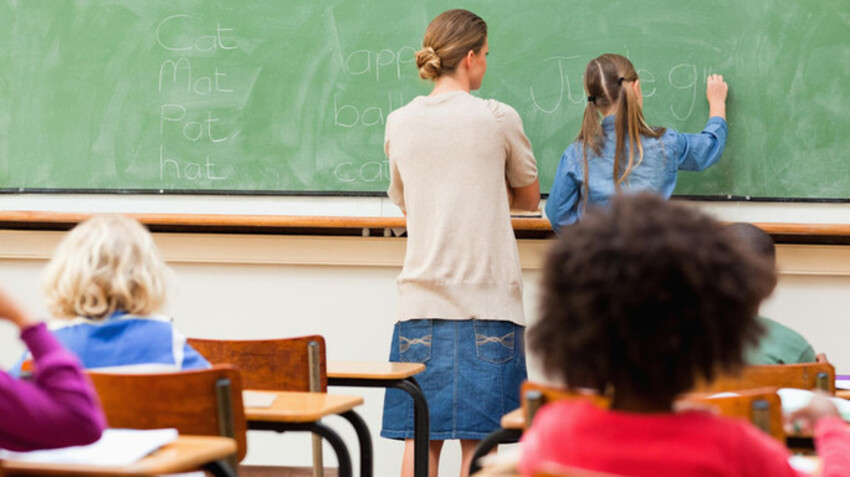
{"points": [[662, 158], [125, 343]]}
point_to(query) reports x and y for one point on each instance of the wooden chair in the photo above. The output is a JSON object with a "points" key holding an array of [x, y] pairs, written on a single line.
{"points": [[284, 364], [801, 376], [761, 406], [570, 472], [205, 402], [534, 395], [288, 364]]}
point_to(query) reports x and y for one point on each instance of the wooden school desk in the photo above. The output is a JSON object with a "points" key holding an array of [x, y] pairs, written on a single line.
{"points": [[391, 375], [187, 453], [509, 469], [301, 411]]}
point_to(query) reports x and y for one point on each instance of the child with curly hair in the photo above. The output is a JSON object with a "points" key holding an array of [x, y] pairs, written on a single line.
{"points": [[639, 301]]}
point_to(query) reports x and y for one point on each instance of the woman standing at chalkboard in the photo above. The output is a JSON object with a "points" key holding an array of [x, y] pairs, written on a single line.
{"points": [[458, 165]]}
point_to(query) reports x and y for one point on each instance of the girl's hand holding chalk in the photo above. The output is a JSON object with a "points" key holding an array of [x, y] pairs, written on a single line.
{"points": [[715, 91]]}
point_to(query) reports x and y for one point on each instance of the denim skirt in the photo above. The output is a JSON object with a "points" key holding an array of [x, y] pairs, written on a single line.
{"points": [[473, 372]]}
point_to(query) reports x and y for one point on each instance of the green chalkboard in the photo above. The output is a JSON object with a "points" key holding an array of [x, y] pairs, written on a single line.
{"points": [[290, 96]]}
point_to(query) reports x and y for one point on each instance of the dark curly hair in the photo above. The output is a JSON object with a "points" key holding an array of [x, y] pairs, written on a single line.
{"points": [[646, 296]]}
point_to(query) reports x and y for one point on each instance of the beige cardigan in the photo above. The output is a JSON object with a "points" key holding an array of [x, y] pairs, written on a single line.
{"points": [[452, 157]]}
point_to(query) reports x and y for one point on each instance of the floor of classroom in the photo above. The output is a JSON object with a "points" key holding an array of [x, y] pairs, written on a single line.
{"points": [[268, 471]]}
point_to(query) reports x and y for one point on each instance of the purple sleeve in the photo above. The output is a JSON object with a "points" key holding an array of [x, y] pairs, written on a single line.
{"points": [[58, 408]]}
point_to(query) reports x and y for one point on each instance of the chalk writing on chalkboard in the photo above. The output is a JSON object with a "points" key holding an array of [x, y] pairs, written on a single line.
{"points": [[684, 76], [178, 74], [291, 97]]}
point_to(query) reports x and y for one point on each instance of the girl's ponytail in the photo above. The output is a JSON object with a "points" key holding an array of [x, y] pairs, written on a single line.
{"points": [[591, 135], [625, 125], [590, 131]]}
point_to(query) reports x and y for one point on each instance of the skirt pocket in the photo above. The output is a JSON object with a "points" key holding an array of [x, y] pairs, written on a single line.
{"points": [[495, 341], [414, 340]]}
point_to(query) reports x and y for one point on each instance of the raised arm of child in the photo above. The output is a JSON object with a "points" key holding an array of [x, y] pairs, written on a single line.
{"points": [[59, 407], [716, 91], [697, 152]]}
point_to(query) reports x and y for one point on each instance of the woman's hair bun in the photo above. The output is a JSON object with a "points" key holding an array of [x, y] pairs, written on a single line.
{"points": [[429, 63]]}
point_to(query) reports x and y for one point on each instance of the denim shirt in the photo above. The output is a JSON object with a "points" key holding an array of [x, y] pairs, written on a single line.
{"points": [[662, 158]]}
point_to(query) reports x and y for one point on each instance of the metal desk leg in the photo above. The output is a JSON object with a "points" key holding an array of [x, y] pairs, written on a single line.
{"points": [[220, 468], [336, 442], [499, 436], [421, 425], [365, 440], [421, 418]]}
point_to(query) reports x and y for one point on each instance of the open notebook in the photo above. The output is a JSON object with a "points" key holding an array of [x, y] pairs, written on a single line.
{"points": [[117, 447]]}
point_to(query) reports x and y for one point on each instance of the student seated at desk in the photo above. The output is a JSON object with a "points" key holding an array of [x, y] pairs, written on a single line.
{"points": [[58, 407], [779, 344], [104, 285], [639, 301]]}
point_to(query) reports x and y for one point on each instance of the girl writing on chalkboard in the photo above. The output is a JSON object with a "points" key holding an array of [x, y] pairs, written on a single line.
{"points": [[617, 151], [458, 164]]}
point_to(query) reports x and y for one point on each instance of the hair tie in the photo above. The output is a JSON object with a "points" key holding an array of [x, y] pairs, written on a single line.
{"points": [[620, 81], [591, 99]]}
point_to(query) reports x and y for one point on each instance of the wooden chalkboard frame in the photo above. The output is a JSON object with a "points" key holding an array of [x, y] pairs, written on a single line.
{"points": [[534, 228], [323, 193]]}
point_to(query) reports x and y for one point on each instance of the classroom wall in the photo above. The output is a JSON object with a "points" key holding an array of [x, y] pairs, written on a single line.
{"points": [[241, 286]]}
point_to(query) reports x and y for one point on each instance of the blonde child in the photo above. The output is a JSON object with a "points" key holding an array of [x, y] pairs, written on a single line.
{"points": [[621, 152], [104, 286]]}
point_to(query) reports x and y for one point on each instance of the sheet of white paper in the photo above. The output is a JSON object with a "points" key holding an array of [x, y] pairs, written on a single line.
{"points": [[802, 464], [794, 399], [258, 398], [725, 394], [117, 447]]}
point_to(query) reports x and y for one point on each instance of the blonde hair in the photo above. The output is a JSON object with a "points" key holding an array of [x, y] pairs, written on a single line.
{"points": [[606, 82], [448, 39], [106, 264]]}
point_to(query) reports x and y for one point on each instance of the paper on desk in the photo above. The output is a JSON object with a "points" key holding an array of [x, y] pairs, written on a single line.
{"points": [[258, 399], [842, 381], [803, 464], [117, 447], [794, 399]]}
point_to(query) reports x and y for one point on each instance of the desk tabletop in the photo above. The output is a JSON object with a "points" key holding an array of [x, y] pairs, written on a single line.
{"points": [[509, 469], [301, 406], [187, 453], [373, 369], [513, 420]]}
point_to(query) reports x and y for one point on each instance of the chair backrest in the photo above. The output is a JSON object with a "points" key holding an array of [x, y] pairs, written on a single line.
{"points": [[535, 395], [203, 402], [283, 364], [553, 470], [800, 376], [761, 406]]}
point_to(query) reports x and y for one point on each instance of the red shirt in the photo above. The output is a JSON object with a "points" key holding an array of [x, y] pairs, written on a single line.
{"points": [[693, 443]]}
